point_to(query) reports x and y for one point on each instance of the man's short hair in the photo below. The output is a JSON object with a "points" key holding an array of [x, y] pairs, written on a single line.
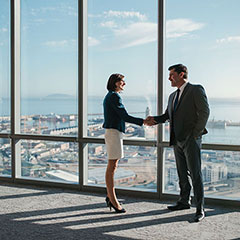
{"points": [[179, 68], [111, 84]]}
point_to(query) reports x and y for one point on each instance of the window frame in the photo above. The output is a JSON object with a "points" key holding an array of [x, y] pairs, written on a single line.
{"points": [[82, 141]]}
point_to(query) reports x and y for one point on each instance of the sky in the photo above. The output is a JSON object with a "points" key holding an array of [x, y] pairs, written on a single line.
{"points": [[122, 37]]}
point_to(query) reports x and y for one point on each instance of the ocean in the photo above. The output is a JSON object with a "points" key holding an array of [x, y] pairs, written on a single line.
{"points": [[220, 109]]}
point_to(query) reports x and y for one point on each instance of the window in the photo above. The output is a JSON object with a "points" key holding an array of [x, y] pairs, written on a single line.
{"points": [[137, 170], [122, 38], [47, 160], [220, 171], [5, 157], [63, 53], [208, 44], [4, 67], [49, 67]]}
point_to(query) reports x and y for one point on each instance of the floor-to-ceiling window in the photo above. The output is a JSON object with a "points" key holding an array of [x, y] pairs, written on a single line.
{"points": [[5, 149], [122, 38], [56, 60], [46, 95], [205, 36]]}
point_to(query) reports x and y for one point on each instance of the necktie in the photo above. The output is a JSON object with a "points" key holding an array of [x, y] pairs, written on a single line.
{"points": [[176, 100]]}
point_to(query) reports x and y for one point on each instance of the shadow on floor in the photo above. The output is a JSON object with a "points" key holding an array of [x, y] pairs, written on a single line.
{"points": [[82, 222]]}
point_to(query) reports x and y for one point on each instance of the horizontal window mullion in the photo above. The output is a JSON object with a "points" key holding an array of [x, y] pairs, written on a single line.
{"points": [[44, 137], [223, 147], [4, 135], [135, 142]]}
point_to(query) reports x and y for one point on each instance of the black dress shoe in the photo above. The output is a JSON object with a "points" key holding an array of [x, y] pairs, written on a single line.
{"points": [[199, 216], [178, 206]]}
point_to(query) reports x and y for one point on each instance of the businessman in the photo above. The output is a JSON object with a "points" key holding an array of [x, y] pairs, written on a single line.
{"points": [[187, 112]]}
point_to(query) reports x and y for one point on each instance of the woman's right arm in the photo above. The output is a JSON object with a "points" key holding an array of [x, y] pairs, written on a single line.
{"points": [[116, 103]]}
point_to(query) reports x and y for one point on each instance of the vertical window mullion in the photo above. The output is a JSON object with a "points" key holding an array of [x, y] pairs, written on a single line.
{"points": [[12, 35], [161, 36], [16, 92], [82, 88]]}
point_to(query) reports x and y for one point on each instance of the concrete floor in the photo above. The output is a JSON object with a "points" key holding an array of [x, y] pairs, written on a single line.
{"points": [[46, 213]]}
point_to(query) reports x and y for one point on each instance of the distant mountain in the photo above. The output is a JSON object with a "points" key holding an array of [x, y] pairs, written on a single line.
{"points": [[59, 96]]}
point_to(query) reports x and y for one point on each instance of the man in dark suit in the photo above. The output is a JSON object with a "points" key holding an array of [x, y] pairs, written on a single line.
{"points": [[188, 112]]}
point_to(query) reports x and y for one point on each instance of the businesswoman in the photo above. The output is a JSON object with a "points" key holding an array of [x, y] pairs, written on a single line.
{"points": [[115, 116]]}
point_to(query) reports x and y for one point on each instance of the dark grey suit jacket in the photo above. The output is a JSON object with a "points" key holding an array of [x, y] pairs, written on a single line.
{"points": [[190, 116]]}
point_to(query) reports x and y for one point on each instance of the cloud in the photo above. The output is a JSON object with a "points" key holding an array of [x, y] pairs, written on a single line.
{"points": [[93, 41], [39, 20], [125, 14], [136, 34], [72, 11], [108, 24], [62, 43], [3, 29], [60, 9], [133, 33], [139, 33], [231, 39], [41, 10], [176, 28], [94, 15]]}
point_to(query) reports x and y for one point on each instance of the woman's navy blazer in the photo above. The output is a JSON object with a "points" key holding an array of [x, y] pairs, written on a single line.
{"points": [[115, 114]]}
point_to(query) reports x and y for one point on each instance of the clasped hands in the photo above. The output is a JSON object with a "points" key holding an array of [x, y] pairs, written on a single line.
{"points": [[149, 121]]}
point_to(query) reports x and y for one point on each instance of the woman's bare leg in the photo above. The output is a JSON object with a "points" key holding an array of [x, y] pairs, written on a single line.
{"points": [[109, 177]]}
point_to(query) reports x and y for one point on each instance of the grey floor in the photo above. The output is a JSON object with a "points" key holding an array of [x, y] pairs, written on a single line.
{"points": [[45, 213]]}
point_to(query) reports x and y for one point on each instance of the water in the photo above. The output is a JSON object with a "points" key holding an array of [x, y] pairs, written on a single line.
{"points": [[220, 109], [41, 106]]}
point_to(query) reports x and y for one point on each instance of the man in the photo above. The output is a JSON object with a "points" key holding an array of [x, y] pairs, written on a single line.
{"points": [[188, 112]]}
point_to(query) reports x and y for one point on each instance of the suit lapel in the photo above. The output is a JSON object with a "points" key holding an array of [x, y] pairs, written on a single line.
{"points": [[183, 94], [171, 103]]}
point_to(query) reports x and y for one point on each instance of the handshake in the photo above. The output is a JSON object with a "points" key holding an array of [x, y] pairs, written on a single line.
{"points": [[149, 121]]}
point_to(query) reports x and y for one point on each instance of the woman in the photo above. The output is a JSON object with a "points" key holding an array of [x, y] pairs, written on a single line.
{"points": [[115, 116]]}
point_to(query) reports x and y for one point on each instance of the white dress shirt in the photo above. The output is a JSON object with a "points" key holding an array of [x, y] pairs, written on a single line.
{"points": [[181, 91]]}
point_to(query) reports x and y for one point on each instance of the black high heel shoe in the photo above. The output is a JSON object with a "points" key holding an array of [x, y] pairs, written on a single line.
{"points": [[110, 205]]}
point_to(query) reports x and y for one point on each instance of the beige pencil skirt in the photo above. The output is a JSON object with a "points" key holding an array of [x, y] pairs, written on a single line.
{"points": [[114, 143]]}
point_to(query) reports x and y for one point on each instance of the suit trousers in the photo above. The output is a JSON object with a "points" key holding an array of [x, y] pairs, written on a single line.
{"points": [[188, 161]]}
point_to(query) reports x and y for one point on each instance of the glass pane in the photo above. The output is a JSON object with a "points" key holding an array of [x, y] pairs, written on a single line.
{"points": [[5, 157], [49, 58], [122, 38], [45, 160], [4, 66], [137, 170], [220, 171], [208, 44]]}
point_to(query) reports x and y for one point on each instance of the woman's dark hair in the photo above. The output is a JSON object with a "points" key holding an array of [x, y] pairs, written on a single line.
{"points": [[111, 84], [180, 68]]}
